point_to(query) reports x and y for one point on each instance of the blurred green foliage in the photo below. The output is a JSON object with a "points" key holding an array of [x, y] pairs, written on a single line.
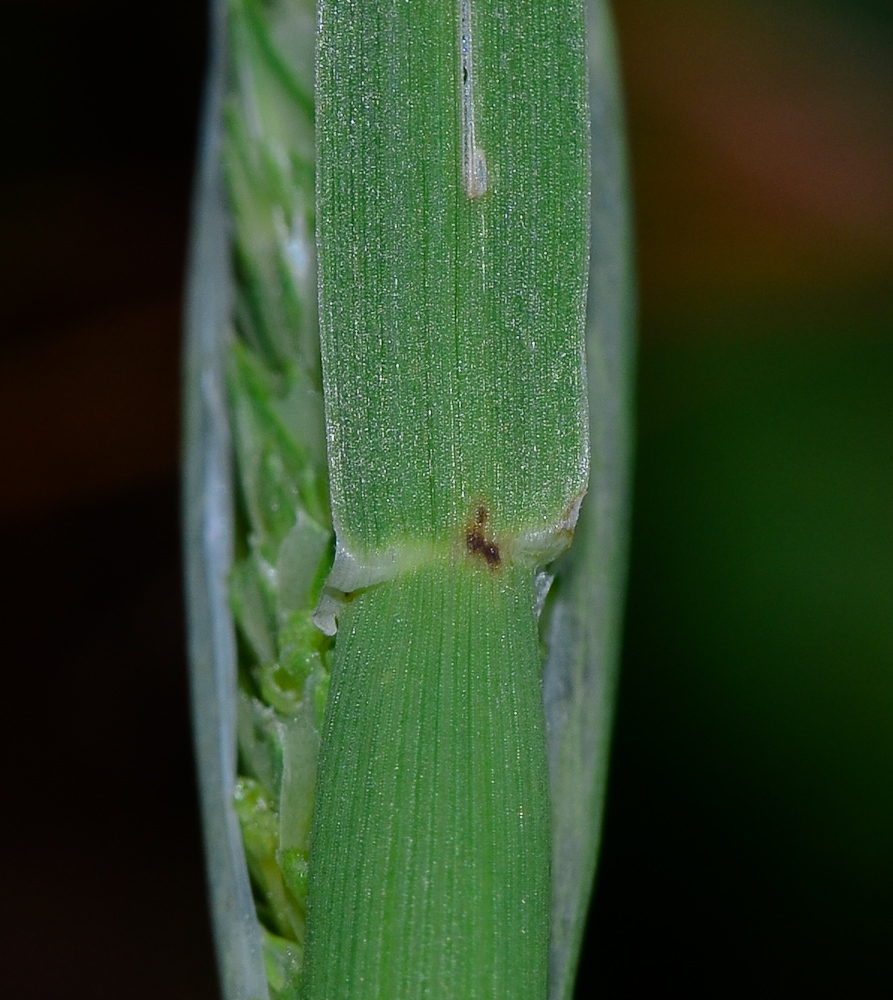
{"points": [[750, 820], [749, 837]]}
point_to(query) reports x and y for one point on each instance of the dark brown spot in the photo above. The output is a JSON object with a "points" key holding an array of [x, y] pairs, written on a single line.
{"points": [[476, 540], [491, 553]]}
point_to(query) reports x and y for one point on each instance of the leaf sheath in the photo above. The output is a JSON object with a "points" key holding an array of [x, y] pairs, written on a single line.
{"points": [[430, 854]]}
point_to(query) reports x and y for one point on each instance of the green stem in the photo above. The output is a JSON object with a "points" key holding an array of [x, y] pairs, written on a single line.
{"points": [[429, 873]]}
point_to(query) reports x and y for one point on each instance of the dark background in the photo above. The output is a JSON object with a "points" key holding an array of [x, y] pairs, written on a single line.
{"points": [[749, 838]]}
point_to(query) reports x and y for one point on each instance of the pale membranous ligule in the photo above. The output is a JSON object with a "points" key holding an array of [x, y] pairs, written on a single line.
{"points": [[453, 250]]}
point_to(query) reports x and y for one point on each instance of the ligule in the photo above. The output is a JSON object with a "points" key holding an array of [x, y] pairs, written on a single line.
{"points": [[430, 851]]}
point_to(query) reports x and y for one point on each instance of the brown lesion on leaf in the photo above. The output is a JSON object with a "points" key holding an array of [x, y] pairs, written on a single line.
{"points": [[478, 540]]}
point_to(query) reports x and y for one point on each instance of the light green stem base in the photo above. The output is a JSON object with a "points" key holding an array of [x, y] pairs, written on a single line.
{"points": [[429, 870]]}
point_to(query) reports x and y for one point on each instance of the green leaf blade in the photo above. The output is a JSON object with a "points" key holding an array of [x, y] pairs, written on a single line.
{"points": [[452, 320]]}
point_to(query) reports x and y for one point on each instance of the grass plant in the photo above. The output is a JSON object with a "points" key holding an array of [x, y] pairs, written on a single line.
{"points": [[401, 729]]}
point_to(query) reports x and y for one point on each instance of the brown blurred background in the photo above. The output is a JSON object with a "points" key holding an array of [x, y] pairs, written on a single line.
{"points": [[749, 839]]}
